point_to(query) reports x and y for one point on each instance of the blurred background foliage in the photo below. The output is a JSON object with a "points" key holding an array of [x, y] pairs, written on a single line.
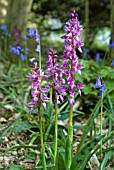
{"points": [[49, 17]]}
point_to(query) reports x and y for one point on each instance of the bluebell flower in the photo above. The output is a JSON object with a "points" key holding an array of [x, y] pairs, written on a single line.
{"points": [[102, 90], [100, 85], [85, 52], [31, 32], [97, 57], [23, 57], [5, 30], [36, 36], [25, 37], [19, 51], [111, 45], [34, 33], [112, 63], [3, 27], [14, 50], [37, 48], [26, 50]]}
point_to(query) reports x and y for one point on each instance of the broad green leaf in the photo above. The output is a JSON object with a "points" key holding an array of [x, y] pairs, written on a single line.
{"points": [[22, 146], [61, 160], [62, 134], [50, 167], [83, 155], [78, 127], [25, 125], [96, 148], [63, 106], [65, 115], [49, 110], [15, 167]]}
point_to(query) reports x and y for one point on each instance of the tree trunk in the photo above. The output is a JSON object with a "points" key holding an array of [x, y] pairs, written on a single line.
{"points": [[86, 19], [17, 15], [3, 10], [111, 57]]}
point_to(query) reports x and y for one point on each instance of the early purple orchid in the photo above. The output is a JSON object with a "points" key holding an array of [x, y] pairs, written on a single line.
{"points": [[38, 92], [55, 72], [71, 64]]}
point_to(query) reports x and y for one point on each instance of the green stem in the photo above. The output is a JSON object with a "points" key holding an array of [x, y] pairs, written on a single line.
{"points": [[101, 115], [41, 137], [71, 115], [5, 47], [51, 95], [56, 130], [110, 122], [68, 149]]}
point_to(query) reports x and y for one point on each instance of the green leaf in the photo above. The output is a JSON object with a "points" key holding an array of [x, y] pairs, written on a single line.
{"points": [[15, 167], [61, 159], [80, 160], [11, 126], [49, 110], [63, 106], [22, 146], [105, 159], [94, 150], [89, 124], [62, 135], [25, 125], [91, 120], [65, 115]]}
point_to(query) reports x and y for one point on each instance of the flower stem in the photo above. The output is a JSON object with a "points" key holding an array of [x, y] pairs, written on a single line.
{"points": [[68, 150], [51, 95], [41, 137], [5, 47], [70, 115], [101, 115], [56, 129]]}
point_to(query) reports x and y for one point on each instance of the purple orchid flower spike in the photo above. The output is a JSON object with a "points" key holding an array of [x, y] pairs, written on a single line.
{"points": [[55, 72], [71, 64], [38, 92]]}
